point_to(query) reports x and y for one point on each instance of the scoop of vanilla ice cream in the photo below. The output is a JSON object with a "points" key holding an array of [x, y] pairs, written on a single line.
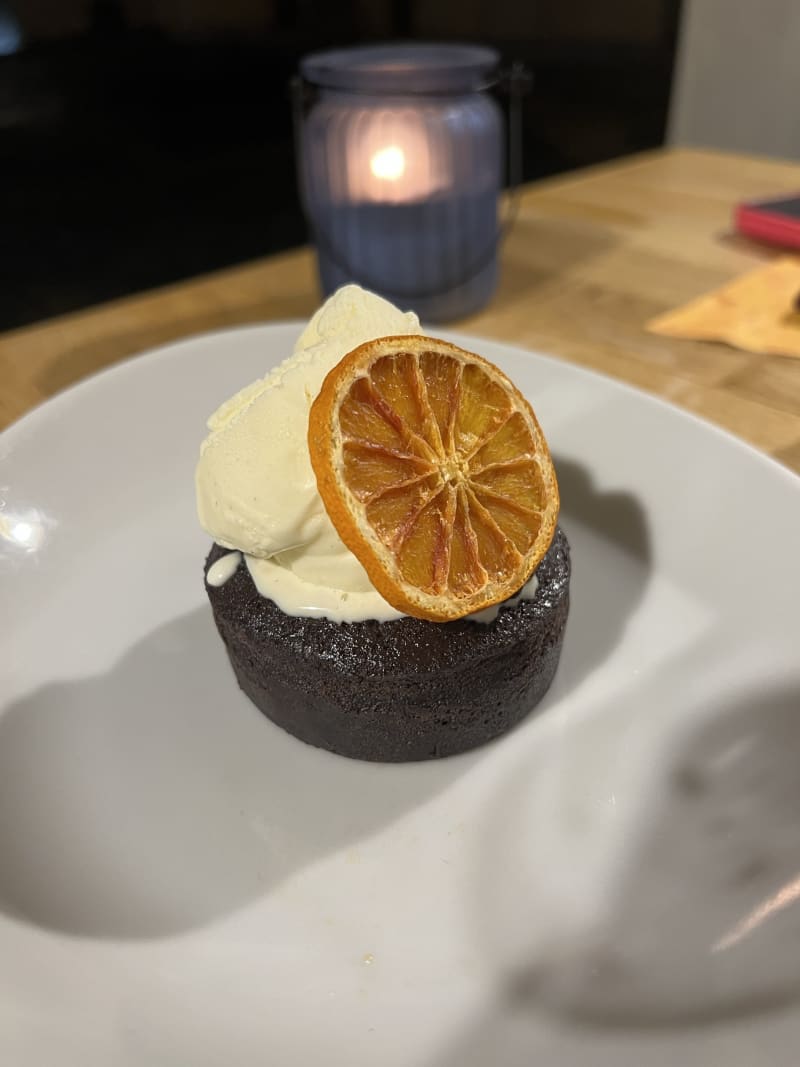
{"points": [[256, 490]]}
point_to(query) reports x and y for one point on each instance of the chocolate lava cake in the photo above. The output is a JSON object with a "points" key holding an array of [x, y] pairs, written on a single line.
{"points": [[395, 691]]}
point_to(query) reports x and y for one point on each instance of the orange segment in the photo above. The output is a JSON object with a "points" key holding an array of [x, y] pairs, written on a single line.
{"points": [[435, 473]]}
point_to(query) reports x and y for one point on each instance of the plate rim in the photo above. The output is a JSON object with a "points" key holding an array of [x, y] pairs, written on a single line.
{"points": [[51, 406]]}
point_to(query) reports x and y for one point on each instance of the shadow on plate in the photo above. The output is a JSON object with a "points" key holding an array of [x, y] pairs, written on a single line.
{"points": [[701, 925], [704, 922], [155, 798], [611, 566]]}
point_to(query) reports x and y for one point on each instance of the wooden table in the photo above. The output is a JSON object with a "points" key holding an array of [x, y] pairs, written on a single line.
{"points": [[591, 258]]}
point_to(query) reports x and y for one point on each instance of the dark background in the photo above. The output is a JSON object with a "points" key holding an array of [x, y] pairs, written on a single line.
{"points": [[144, 141]]}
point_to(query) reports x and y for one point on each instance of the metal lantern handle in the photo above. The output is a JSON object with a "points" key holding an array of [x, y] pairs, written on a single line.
{"points": [[516, 80]]}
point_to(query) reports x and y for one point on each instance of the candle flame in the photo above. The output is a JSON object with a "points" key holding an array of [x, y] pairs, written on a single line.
{"points": [[388, 163]]}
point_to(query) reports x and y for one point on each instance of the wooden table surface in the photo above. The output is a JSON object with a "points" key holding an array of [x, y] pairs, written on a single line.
{"points": [[591, 258]]}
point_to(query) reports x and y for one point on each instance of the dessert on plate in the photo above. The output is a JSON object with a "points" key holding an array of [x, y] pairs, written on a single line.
{"points": [[387, 573]]}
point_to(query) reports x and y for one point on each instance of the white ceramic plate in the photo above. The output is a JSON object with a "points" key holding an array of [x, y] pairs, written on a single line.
{"points": [[182, 883]]}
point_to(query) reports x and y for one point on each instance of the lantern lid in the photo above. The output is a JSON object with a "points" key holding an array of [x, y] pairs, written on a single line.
{"points": [[402, 68]]}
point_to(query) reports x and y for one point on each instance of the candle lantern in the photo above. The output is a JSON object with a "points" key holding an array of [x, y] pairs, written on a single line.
{"points": [[400, 167]]}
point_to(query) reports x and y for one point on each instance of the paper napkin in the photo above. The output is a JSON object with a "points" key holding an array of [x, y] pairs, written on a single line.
{"points": [[758, 312]]}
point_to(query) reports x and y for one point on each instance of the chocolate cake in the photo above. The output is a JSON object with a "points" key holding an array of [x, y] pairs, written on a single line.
{"points": [[395, 691]]}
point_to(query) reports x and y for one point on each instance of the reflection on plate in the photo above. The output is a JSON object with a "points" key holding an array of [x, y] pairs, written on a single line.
{"points": [[616, 882]]}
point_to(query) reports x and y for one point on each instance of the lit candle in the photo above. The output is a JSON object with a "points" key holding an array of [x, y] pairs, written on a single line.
{"points": [[392, 158], [400, 167]]}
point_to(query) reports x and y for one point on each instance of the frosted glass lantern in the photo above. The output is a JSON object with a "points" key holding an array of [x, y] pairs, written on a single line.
{"points": [[400, 167]]}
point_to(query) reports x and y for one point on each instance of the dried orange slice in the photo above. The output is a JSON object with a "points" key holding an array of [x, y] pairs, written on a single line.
{"points": [[435, 473]]}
